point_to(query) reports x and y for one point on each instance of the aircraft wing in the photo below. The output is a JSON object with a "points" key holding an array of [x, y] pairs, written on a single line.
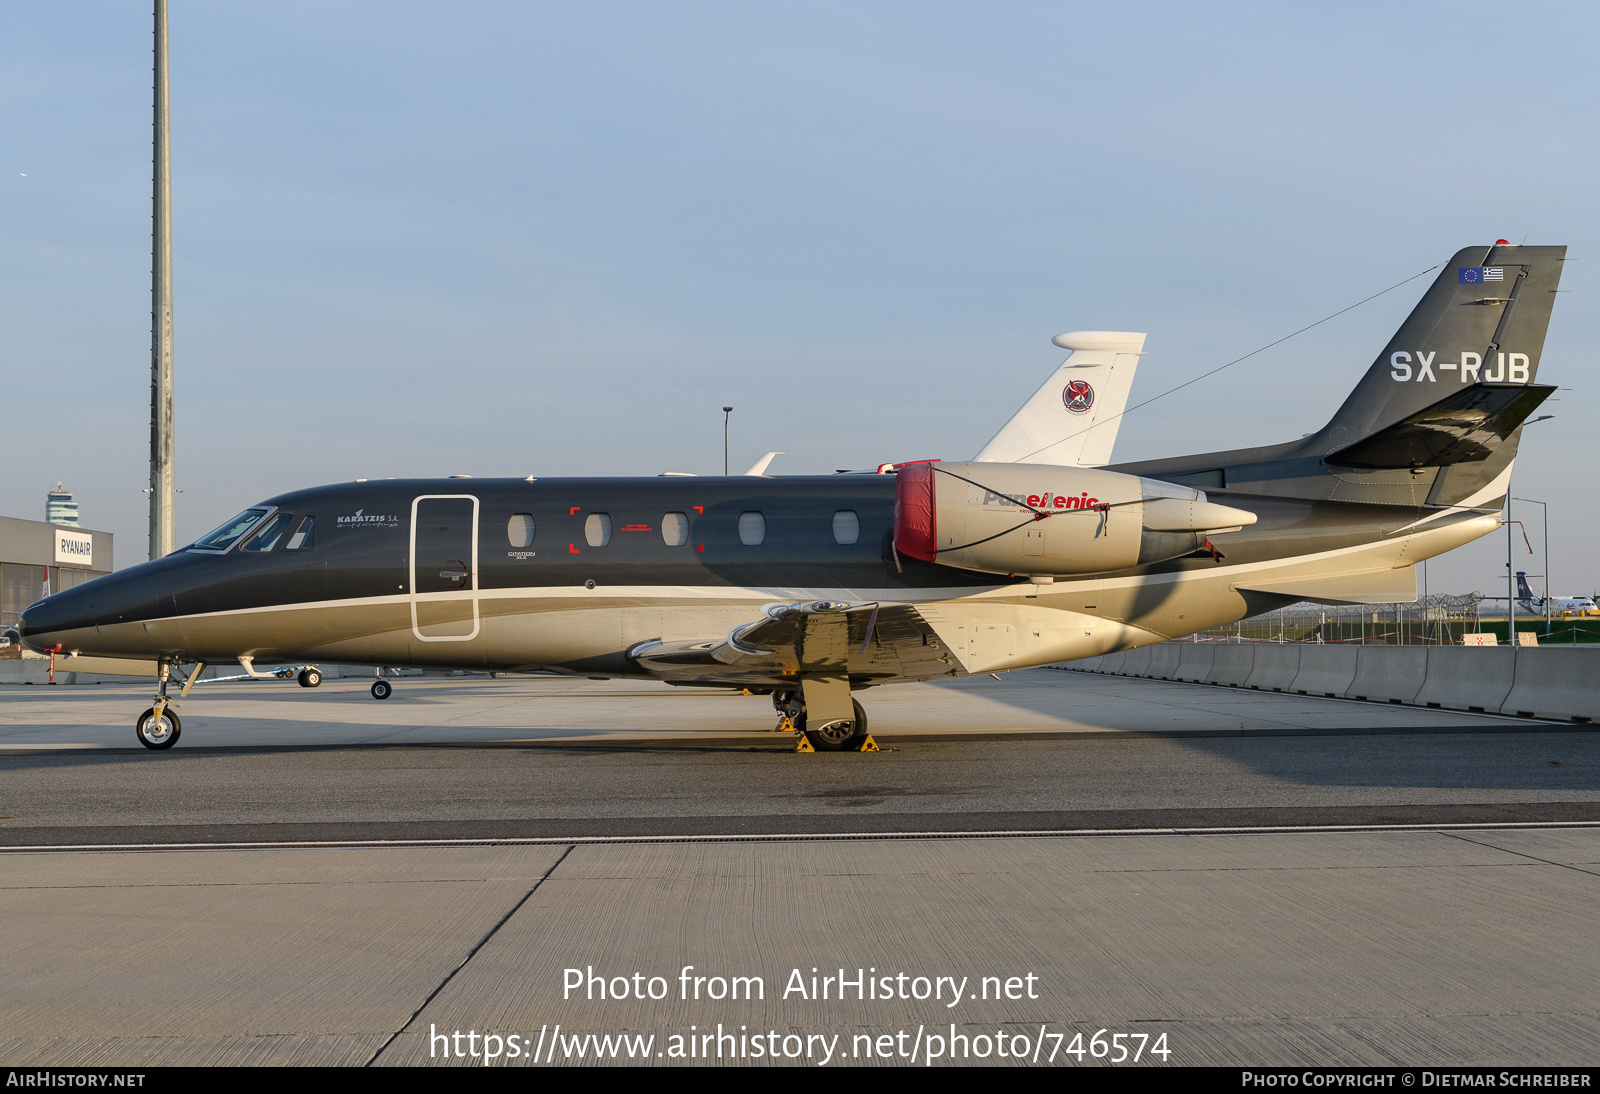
{"points": [[869, 642]]}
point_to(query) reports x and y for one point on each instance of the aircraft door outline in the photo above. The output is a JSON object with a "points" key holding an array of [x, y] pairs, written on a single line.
{"points": [[438, 553]]}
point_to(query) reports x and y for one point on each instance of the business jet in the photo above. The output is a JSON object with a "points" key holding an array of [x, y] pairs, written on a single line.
{"points": [[814, 589]]}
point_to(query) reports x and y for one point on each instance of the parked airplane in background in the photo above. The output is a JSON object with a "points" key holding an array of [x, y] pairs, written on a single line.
{"points": [[814, 588], [1570, 605]]}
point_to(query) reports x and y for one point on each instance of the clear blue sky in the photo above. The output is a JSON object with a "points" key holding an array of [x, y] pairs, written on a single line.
{"points": [[556, 239]]}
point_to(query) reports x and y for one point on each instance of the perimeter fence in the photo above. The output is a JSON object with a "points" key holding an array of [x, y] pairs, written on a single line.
{"points": [[1438, 620]]}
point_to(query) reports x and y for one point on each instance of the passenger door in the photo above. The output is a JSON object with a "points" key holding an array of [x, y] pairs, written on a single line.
{"points": [[444, 567]]}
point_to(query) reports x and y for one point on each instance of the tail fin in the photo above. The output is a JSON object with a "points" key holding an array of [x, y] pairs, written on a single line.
{"points": [[1523, 592], [1073, 419], [1482, 321]]}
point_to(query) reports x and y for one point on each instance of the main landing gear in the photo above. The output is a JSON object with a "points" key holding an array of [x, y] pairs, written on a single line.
{"points": [[310, 677], [382, 689], [837, 735]]}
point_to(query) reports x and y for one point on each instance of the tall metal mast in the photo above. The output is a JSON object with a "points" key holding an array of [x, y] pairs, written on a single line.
{"points": [[163, 534]]}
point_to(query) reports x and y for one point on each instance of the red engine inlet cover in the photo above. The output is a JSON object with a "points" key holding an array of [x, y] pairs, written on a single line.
{"points": [[915, 525]]}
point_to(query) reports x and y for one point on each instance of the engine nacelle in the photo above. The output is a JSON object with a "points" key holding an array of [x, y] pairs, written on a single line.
{"points": [[1044, 519]]}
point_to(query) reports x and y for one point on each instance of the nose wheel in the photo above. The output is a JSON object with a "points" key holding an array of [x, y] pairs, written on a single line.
{"points": [[382, 689], [158, 731]]}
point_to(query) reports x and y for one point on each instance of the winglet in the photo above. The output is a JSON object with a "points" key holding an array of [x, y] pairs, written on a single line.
{"points": [[761, 465], [1073, 419]]}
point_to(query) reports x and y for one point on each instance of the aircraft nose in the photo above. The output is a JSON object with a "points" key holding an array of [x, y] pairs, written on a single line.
{"points": [[71, 616], [42, 620]]}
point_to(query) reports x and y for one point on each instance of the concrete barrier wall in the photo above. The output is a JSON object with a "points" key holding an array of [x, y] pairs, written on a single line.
{"points": [[1556, 683], [1474, 678], [1194, 661], [1326, 671], [1231, 665], [1389, 674], [1109, 662], [1164, 660], [1137, 663], [1548, 682], [1273, 667]]}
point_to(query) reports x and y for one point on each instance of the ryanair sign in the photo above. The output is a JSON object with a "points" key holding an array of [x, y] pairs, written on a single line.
{"points": [[76, 548]]}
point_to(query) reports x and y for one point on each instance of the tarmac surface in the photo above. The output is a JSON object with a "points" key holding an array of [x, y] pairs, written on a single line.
{"points": [[316, 877]]}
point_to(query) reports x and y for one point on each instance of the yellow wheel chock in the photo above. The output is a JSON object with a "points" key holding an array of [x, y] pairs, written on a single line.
{"points": [[804, 745]]}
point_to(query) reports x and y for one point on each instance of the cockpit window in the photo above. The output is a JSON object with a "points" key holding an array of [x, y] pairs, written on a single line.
{"points": [[304, 537], [266, 537], [228, 534]]}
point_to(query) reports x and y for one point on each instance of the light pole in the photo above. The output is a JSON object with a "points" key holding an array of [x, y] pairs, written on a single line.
{"points": [[1545, 511], [727, 410], [163, 533], [1511, 585]]}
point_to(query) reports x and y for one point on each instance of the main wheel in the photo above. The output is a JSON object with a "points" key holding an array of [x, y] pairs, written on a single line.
{"points": [[382, 689], [159, 732], [840, 736], [310, 677]]}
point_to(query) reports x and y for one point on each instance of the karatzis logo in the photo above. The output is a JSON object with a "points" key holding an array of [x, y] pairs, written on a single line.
{"points": [[362, 519]]}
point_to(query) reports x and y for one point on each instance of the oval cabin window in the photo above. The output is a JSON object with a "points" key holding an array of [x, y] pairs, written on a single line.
{"points": [[597, 529], [846, 526], [752, 528], [519, 530], [675, 529]]}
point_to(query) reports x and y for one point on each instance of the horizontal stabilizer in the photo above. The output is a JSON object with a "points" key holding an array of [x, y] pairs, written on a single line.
{"points": [[1464, 427], [1397, 586]]}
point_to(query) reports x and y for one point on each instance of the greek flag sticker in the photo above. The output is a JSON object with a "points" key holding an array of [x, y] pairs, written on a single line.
{"points": [[1476, 275]]}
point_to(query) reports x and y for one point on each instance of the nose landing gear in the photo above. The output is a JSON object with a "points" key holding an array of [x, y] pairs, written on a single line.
{"points": [[310, 677], [158, 727], [382, 689]]}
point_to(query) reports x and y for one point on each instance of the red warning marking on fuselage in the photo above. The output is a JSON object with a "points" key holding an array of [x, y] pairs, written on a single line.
{"points": [[701, 509], [702, 547], [572, 548], [572, 512]]}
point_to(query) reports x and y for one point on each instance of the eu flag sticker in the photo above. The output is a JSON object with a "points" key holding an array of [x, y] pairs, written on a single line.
{"points": [[1476, 275]]}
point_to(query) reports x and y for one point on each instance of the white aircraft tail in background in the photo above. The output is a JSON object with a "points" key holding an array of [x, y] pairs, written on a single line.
{"points": [[1072, 420]]}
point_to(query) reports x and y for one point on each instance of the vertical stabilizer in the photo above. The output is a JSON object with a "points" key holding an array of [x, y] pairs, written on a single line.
{"points": [[1483, 320], [1073, 419]]}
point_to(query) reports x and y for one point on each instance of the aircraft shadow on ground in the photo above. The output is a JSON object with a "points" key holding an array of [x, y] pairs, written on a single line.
{"points": [[1539, 758]]}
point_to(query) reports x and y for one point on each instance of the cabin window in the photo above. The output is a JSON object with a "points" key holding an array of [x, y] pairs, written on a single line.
{"points": [[846, 526], [305, 536], [597, 529], [228, 534], [674, 529], [267, 536], [519, 530], [752, 528]]}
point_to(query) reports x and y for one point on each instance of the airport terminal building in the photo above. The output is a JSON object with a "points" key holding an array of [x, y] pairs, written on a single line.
{"points": [[37, 558]]}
